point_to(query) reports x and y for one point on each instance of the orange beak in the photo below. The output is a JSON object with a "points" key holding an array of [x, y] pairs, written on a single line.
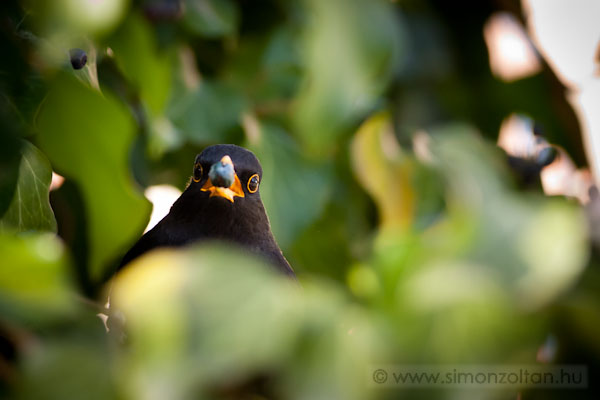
{"points": [[229, 193]]}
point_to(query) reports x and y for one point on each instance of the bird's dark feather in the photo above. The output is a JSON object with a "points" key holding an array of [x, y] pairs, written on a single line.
{"points": [[197, 217]]}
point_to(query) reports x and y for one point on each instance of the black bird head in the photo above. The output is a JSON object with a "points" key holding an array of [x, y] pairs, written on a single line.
{"points": [[227, 171], [222, 202]]}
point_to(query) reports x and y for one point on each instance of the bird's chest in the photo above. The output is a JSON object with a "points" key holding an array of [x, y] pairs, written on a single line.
{"points": [[222, 226]]}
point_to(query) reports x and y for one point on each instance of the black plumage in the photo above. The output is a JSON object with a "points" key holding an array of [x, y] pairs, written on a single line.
{"points": [[222, 202]]}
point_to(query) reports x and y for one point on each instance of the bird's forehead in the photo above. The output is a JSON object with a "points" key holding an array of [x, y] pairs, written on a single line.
{"points": [[241, 157]]}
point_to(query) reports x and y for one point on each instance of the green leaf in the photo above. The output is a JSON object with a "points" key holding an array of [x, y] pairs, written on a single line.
{"points": [[207, 113], [147, 68], [10, 152], [543, 240], [34, 281], [211, 18], [351, 49], [290, 182], [87, 136], [68, 19], [267, 69], [206, 316], [81, 354], [30, 206]]}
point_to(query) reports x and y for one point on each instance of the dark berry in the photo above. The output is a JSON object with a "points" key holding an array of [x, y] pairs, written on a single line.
{"points": [[78, 58]]}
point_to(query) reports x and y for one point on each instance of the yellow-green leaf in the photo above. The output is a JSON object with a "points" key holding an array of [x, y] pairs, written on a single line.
{"points": [[383, 172]]}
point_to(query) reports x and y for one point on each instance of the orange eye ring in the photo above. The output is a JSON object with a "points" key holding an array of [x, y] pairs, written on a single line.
{"points": [[253, 183], [197, 177]]}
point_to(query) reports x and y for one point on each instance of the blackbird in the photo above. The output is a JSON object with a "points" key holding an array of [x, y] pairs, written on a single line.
{"points": [[221, 202]]}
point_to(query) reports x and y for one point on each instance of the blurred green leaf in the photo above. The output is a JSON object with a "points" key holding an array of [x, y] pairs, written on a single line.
{"points": [[475, 171], [351, 50], [206, 317], [64, 18], [282, 62], [30, 206], [143, 64], [87, 136], [554, 247], [324, 246], [475, 277], [34, 278], [67, 368], [211, 18], [341, 234], [542, 240], [171, 298], [206, 113], [267, 69], [464, 314], [383, 171], [291, 180]]}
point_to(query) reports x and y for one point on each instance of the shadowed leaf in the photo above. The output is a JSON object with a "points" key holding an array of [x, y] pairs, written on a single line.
{"points": [[30, 207], [211, 18], [206, 113]]}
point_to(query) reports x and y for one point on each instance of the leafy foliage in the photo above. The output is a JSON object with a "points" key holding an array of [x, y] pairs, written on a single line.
{"points": [[405, 256]]}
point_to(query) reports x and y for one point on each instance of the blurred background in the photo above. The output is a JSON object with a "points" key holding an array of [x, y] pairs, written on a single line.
{"points": [[429, 172]]}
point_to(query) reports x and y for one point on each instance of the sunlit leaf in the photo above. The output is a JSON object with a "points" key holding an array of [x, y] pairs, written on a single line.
{"points": [[383, 171], [170, 300], [206, 317], [30, 207], [87, 136]]}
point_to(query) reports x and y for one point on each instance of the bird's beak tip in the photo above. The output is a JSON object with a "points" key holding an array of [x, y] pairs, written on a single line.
{"points": [[226, 160]]}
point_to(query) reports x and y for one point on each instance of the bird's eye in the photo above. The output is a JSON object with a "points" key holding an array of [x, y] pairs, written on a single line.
{"points": [[253, 183], [197, 172]]}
